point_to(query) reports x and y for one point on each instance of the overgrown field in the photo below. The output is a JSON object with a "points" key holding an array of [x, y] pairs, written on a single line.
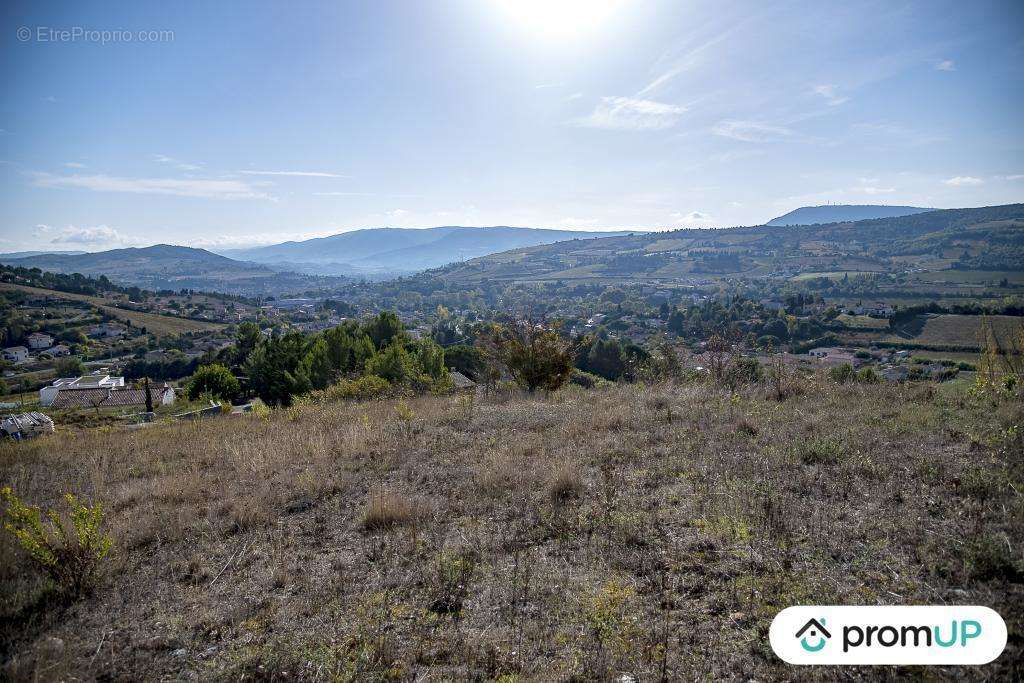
{"points": [[649, 531]]}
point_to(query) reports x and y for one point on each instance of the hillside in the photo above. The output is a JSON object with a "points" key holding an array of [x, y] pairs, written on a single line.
{"points": [[396, 250], [961, 240], [842, 213], [171, 267], [640, 532], [157, 324]]}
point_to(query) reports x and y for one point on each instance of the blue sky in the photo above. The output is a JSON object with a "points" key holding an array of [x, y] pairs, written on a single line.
{"points": [[240, 123]]}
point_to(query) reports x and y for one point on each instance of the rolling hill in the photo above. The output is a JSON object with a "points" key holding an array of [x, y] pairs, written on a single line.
{"points": [[400, 251], [976, 239], [163, 266], [839, 213]]}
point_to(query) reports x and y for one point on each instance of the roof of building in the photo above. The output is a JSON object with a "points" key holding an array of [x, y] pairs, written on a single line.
{"points": [[104, 397], [461, 381]]}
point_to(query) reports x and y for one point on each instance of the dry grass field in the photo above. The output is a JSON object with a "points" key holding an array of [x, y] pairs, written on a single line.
{"points": [[629, 533]]}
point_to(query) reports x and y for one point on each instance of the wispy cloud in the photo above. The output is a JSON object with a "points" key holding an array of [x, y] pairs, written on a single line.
{"points": [[751, 131], [367, 194], [945, 65], [891, 133], [692, 218], [872, 189], [206, 189], [171, 161], [74, 164], [1015, 176], [627, 113], [736, 155], [828, 91], [963, 181], [85, 236], [298, 174]]}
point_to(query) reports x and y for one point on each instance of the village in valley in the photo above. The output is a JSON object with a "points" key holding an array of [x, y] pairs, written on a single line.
{"points": [[92, 352]]}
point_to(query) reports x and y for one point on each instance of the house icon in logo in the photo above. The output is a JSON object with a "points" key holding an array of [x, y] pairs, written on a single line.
{"points": [[814, 629]]}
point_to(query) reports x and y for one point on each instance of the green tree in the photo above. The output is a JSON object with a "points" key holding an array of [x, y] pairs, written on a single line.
{"points": [[602, 357], [384, 328], [215, 380], [247, 338], [430, 357], [393, 363], [275, 369], [348, 348], [71, 366], [317, 365], [466, 359], [537, 357]]}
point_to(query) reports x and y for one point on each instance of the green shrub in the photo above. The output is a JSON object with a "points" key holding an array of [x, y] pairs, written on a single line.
{"points": [[822, 451], [587, 380], [215, 380], [363, 388], [743, 371], [868, 376], [841, 374], [989, 557], [70, 558]]}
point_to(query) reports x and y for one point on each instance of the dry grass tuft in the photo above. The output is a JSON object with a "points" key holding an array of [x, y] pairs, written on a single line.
{"points": [[387, 509], [565, 483]]}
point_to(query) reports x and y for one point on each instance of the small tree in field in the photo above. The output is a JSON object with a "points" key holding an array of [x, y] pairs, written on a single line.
{"points": [[536, 356], [213, 379]]}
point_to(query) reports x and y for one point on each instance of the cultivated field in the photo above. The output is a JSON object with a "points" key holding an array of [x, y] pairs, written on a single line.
{"points": [[644, 531], [158, 324], [961, 330]]}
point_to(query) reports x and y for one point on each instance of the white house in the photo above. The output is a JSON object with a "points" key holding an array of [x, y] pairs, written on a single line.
{"points": [[106, 330], [47, 394], [59, 350], [38, 340], [16, 354]]}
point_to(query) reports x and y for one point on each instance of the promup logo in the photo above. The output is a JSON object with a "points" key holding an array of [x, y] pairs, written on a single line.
{"points": [[888, 635], [817, 630]]}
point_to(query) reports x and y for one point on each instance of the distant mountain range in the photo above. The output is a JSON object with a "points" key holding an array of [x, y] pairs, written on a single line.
{"points": [[841, 213], [26, 254], [989, 239], [377, 251], [984, 239], [163, 266]]}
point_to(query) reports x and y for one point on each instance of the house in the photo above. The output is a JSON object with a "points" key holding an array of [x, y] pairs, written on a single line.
{"points": [[16, 354], [26, 425], [112, 397], [832, 355], [58, 351], [106, 330], [98, 381], [461, 383], [875, 310], [38, 340]]}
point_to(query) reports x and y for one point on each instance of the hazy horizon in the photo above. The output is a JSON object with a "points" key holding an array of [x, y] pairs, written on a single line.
{"points": [[234, 125]]}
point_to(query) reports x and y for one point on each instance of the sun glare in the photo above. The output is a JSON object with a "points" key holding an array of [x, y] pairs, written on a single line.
{"points": [[559, 18]]}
